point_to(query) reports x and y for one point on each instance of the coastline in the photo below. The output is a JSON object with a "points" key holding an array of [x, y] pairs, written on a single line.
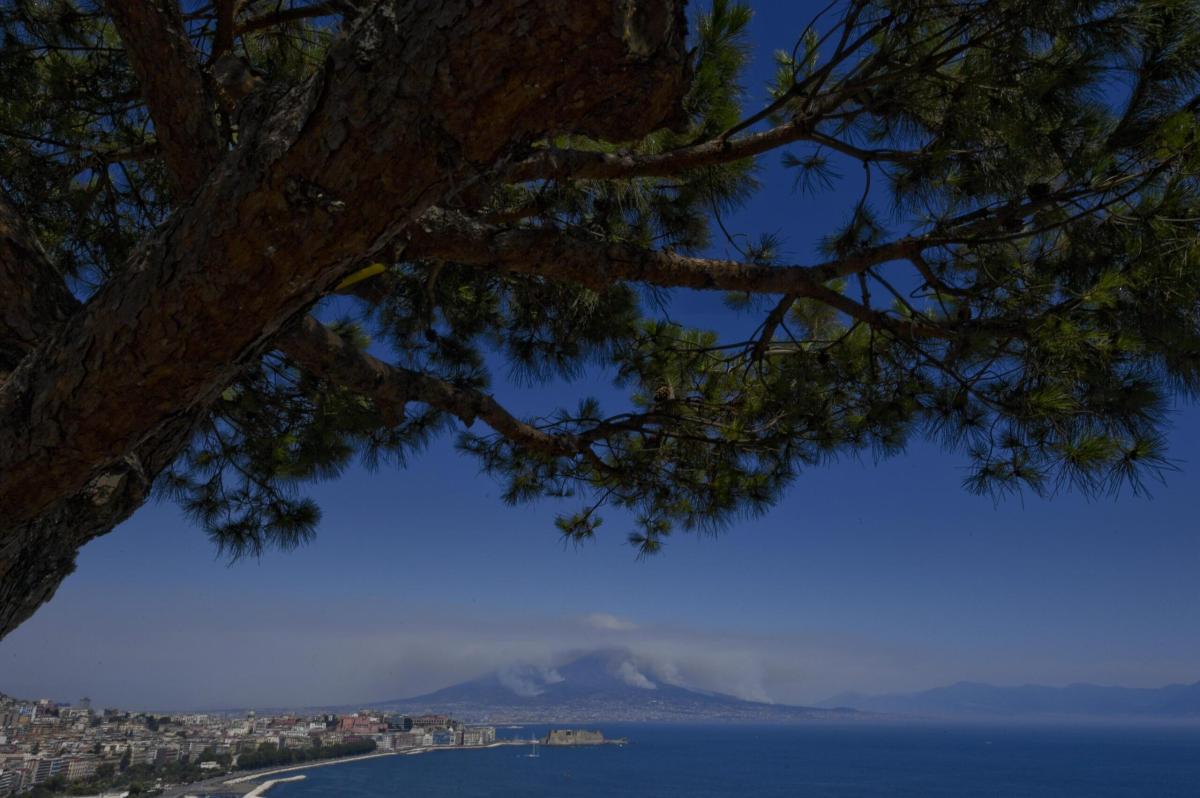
{"points": [[262, 789], [305, 766], [266, 785]]}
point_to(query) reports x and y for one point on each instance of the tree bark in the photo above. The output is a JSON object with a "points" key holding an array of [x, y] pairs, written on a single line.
{"points": [[577, 257], [36, 555], [420, 100], [172, 85], [35, 298]]}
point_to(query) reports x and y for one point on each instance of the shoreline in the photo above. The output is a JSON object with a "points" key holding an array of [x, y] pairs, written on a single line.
{"points": [[265, 786], [306, 765]]}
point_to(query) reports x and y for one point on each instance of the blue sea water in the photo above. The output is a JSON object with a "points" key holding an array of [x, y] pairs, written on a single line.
{"points": [[817, 761]]}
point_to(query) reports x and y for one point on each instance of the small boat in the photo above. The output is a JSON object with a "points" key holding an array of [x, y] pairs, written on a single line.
{"points": [[533, 750]]}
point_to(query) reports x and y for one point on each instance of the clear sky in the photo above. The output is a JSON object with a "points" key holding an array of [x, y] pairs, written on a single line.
{"points": [[868, 576]]}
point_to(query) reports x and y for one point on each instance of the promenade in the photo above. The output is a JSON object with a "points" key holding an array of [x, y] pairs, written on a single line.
{"points": [[252, 784]]}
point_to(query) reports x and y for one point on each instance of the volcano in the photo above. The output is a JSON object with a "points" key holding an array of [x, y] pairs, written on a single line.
{"points": [[604, 685]]}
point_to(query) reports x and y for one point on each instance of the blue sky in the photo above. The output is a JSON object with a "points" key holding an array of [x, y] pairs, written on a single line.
{"points": [[867, 576]]}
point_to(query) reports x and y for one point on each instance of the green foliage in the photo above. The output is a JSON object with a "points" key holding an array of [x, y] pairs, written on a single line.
{"points": [[1070, 311], [270, 755], [65, 118], [722, 54], [1042, 153], [274, 429]]}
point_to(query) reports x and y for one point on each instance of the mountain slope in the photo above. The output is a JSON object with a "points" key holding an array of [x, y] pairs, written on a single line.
{"points": [[1176, 701], [601, 685]]}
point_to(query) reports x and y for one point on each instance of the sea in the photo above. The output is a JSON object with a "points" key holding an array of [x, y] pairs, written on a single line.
{"points": [[814, 761]]}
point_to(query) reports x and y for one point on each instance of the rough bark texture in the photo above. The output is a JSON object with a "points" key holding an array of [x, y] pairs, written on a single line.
{"points": [[37, 554], [36, 300], [421, 100], [172, 84]]}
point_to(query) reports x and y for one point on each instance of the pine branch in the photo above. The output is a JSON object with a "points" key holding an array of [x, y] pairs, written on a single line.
{"points": [[550, 252], [564, 164], [322, 353], [282, 16]]}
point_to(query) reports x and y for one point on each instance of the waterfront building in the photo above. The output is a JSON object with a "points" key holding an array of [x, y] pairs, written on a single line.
{"points": [[41, 741], [479, 735], [407, 739], [295, 740], [444, 737], [573, 737], [431, 722]]}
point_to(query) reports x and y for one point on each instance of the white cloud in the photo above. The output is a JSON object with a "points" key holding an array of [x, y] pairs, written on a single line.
{"points": [[609, 623]]}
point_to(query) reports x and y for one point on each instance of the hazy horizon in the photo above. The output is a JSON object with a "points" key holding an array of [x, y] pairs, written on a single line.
{"points": [[651, 669], [152, 620]]}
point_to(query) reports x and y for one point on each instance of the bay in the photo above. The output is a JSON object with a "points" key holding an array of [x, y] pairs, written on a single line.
{"points": [[818, 761]]}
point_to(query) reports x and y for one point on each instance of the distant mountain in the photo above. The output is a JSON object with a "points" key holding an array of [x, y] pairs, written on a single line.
{"points": [[604, 685], [970, 699]]}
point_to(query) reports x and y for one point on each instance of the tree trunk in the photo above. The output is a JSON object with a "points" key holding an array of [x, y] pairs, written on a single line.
{"points": [[420, 101], [38, 554]]}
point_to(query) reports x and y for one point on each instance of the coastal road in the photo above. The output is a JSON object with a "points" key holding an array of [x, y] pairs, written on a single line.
{"points": [[236, 785]]}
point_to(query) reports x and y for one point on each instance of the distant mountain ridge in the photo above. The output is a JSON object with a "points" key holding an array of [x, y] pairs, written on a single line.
{"points": [[973, 699], [606, 685]]}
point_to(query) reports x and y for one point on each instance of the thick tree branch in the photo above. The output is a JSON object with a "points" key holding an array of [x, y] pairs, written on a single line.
{"points": [[34, 299], [172, 85], [36, 555], [548, 252], [562, 164], [567, 164], [555, 253], [415, 105], [226, 10], [284, 15]]}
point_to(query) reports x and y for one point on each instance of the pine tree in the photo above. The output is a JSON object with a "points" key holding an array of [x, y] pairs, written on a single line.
{"points": [[191, 195]]}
